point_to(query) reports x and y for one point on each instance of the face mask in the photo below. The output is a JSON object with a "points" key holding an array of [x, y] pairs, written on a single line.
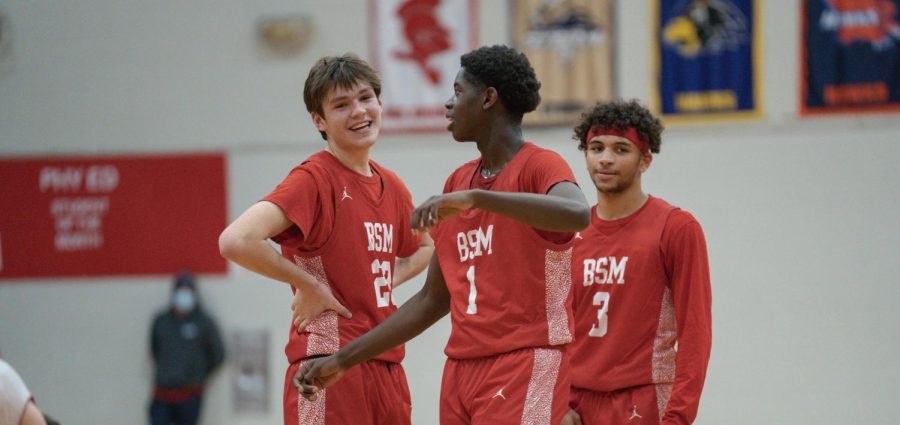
{"points": [[184, 300]]}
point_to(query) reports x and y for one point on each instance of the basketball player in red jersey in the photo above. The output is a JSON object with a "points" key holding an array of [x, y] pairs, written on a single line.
{"points": [[343, 223], [641, 285], [502, 229]]}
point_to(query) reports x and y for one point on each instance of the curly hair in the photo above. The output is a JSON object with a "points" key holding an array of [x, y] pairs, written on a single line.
{"points": [[343, 71], [506, 70], [620, 115]]}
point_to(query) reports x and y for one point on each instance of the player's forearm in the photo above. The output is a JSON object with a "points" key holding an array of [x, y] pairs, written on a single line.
{"points": [[545, 212], [411, 319], [409, 267], [258, 256]]}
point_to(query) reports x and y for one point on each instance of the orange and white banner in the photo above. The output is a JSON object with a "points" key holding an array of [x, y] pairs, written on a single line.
{"points": [[415, 45], [570, 46], [111, 215]]}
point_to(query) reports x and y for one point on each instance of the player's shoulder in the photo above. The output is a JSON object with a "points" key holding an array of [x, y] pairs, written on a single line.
{"points": [[533, 150], [537, 156], [677, 219], [318, 163], [467, 166]]}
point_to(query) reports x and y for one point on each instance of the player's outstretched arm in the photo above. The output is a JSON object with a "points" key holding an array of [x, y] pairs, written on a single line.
{"points": [[562, 209], [421, 311], [409, 267], [245, 242]]}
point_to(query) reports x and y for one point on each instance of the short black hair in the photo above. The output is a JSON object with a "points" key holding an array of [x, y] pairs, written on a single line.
{"points": [[507, 70], [620, 115]]}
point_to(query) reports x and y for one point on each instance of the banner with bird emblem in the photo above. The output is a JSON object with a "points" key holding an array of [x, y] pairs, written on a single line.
{"points": [[415, 45], [569, 44], [850, 59], [707, 60]]}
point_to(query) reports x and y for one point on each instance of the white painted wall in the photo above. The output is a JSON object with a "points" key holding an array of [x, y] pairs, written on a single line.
{"points": [[802, 217]]}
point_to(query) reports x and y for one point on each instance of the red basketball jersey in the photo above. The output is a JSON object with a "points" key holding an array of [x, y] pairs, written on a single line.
{"points": [[639, 282], [509, 287], [356, 258]]}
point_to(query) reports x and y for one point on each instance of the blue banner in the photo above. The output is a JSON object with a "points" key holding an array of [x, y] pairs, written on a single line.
{"points": [[708, 55], [851, 56]]}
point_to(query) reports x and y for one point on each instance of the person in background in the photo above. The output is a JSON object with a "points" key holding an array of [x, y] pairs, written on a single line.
{"points": [[187, 348], [17, 405]]}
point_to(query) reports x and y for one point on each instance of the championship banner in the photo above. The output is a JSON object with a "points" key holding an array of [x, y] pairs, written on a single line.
{"points": [[115, 215], [850, 56], [708, 59], [569, 44], [415, 45]]}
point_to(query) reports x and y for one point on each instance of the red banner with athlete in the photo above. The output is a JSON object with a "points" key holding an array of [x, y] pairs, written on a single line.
{"points": [[111, 215], [415, 45]]}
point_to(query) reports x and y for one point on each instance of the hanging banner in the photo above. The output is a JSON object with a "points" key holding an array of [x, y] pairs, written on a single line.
{"points": [[115, 215], [415, 45], [850, 56], [708, 56], [569, 45]]}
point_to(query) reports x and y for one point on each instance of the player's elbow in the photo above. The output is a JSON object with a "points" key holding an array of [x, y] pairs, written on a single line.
{"points": [[582, 217], [576, 218], [232, 244]]}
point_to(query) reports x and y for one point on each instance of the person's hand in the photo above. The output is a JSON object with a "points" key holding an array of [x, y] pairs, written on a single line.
{"points": [[317, 374], [571, 418], [441, 207], [310, 303]]}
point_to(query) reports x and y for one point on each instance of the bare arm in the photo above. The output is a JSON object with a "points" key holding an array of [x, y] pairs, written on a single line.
{"points": [[409, 267], [32, 415], [421, 311], [562, 209], [245, 242]]}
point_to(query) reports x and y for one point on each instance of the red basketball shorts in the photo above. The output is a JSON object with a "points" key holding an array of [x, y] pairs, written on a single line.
{"points": [[642, 404], [527, 386], [371, 393]]}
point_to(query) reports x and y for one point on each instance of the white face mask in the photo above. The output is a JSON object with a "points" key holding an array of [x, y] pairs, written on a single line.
{"points": [[183, 300]]}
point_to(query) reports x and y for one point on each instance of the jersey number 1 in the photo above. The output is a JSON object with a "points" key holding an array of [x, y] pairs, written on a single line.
{"points": [[601, 299], [382, 271], [470, 275]]}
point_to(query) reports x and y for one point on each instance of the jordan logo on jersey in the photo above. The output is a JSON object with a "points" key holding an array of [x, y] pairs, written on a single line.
{"points": [[634, 413], [499, 394], [380, 236], [604, 270], [345, 195], [474, 243]]}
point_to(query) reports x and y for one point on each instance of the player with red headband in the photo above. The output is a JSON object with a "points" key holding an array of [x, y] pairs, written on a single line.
{"points": [[641, 284]]}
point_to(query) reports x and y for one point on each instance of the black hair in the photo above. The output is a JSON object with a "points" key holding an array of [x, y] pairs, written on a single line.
{"points": [[620, 115], [506, 70]]}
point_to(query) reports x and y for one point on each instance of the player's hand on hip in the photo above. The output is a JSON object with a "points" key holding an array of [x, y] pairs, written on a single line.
{"points": [[571, 418], [317, 374], [442, 207], [310, 303]]}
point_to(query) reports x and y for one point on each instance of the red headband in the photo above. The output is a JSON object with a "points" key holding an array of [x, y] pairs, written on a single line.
{"points": [[629, 133]]}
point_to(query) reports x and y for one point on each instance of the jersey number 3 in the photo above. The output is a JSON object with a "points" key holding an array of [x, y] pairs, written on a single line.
{"points": [[383, 280], [601, 300]]}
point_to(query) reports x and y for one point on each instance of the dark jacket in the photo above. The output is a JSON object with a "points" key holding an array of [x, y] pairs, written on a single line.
{"points": [[185, 349]]}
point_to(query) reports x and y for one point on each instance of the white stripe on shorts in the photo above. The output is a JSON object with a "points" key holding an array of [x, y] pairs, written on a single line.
{"points": [[539, 399]]}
